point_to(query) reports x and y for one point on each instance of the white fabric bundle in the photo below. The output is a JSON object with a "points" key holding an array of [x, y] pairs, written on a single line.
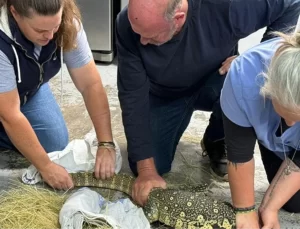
{"points": [[89, 206], [78, 156]]}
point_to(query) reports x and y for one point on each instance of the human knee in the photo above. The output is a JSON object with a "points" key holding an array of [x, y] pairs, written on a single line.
{"points": [[55, 139], [292, 206], [5, 142]]}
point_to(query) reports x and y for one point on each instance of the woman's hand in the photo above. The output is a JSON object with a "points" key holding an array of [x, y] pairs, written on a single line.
{"points": [[56, 176], [247, 220], [105, 163], [269, 218]]}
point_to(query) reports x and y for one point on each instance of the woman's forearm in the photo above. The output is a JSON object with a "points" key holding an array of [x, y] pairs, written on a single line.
{"points": [[97, 105], [25, 140], [283, 186], [241, 180]]}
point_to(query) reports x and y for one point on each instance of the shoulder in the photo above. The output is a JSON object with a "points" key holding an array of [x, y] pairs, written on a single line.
{"points": [[241, 91], [7, 74], [246, 70], [81, 55], [295, 4], [217, 4], [123, 26], [122, 21], [126, 39], [264, 4], [4, 58]]}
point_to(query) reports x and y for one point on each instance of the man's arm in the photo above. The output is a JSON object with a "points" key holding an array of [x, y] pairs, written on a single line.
{"points": [[286, 21], [246, 17], [133, 86]]}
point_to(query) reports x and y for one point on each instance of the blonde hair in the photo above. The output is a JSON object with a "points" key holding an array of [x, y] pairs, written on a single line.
{"points": [[282, 79], [71, 17]]}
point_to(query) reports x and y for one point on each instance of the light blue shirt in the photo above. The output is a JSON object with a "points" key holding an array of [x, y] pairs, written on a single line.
{"points": [[243, 104]]}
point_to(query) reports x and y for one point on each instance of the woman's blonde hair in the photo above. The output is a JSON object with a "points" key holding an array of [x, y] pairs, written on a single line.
{"points": [[71, 17], [282, 79]]}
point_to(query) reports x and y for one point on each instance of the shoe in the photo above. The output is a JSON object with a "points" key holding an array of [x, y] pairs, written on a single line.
{"points": [[216, 152]]}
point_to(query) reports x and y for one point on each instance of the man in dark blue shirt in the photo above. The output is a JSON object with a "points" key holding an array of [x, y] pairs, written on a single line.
{"points": [[170, 64]]}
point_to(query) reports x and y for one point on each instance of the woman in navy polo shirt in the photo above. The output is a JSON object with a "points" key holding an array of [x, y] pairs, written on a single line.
{"points": [[261, 101], [36, 37]]}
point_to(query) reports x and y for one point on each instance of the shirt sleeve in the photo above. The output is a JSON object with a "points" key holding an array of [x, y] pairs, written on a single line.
{"points": [[133, 87], [7, 74], [249, 16], [240, 136], [231, 96], [240, 141], [82, 54]]}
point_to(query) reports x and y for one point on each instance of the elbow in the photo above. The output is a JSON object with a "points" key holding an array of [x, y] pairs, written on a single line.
{"points": [[95, 87], [291, 205], [6, 118]]}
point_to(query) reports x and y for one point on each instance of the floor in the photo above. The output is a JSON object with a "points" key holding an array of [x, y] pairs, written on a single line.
{"points": [[189, 166]]}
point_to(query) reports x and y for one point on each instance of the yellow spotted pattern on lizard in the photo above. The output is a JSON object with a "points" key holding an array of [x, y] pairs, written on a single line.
{"points": [[188, 208]]}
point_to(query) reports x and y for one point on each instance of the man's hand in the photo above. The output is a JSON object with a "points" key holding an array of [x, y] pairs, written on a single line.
{"points": [[269, 219], [56, 176], [105, 163], [226, 65], [144, 184], [247, 220]]}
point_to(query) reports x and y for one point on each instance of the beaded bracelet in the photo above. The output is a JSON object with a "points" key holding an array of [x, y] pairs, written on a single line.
{"points": [[244, 210]]}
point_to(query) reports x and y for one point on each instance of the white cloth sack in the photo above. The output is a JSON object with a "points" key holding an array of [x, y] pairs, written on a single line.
{"points": [[89, 206], [127, 214], [78, 156]]}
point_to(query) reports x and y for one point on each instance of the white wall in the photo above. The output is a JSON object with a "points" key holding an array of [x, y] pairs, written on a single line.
{"points": [[251, 40], [124, 3]]}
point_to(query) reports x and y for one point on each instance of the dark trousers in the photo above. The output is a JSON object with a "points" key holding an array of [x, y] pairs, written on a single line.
{"points": [[170, 117], [272, 163]]}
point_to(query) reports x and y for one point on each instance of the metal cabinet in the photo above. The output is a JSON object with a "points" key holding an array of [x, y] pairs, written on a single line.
{"points": [[98, 18]]}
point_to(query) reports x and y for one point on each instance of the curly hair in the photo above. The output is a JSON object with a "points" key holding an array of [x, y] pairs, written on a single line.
{"points": [[71, 17]]}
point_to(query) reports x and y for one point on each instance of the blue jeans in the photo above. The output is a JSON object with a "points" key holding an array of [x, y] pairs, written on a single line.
{"points": [[170, 117], [46, 119]]}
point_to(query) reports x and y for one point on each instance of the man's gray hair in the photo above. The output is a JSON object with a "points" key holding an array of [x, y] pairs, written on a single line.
{"points": [[282, 79], [172, 6]]}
